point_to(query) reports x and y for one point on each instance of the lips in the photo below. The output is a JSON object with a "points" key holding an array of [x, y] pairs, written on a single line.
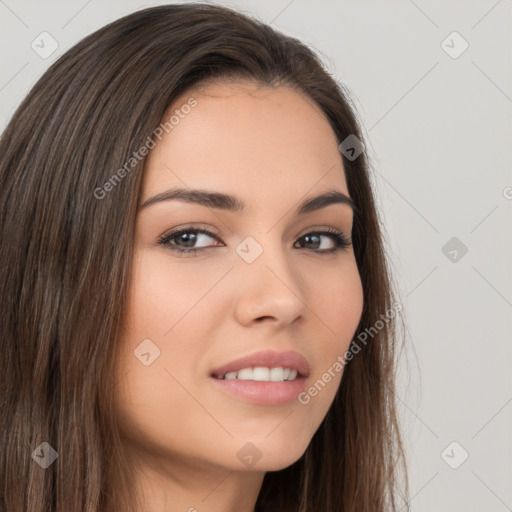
{"points": [[266, 358]]}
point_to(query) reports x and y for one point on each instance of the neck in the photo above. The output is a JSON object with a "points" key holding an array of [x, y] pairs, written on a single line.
{"points": [[185, 486]]}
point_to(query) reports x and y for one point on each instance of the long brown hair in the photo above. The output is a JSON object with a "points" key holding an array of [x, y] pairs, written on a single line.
{"points": [[66, 255]]}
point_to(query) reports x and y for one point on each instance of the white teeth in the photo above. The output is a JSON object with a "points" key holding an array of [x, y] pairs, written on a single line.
{"points": [[245, 374], [262, 373], [276, 374]]}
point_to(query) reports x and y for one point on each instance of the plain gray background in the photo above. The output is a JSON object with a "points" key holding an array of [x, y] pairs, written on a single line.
{"points": [[439, 131]]}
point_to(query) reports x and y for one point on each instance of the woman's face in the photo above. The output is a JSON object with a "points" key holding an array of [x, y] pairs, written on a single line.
{"points": [[262, 283]]}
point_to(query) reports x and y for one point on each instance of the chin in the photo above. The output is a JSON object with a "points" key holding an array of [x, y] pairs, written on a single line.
{"points": [[271, 456], [278, 463]]}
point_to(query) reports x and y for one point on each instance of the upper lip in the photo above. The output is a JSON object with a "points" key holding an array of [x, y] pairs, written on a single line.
{"points": [[269, 359]]}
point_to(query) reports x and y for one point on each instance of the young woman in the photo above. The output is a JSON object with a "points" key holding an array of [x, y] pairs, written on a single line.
{"points": [[197, 313]]}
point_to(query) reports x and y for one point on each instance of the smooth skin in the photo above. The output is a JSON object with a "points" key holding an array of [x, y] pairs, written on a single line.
{"points": [[272, 148]]}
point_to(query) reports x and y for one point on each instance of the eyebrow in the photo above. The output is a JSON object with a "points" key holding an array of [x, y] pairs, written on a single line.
{"points": [[231, 203]]}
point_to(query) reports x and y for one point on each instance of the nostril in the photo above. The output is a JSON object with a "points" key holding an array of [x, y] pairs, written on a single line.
{"points": [[261, 318]]}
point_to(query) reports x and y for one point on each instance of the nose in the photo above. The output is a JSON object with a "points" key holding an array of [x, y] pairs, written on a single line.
{"points": [[269, 289]]}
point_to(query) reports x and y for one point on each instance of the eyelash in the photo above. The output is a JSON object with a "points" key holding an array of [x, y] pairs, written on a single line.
{"points": [[340, 240]]}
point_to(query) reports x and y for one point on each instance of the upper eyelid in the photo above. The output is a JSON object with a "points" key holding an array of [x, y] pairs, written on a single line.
{"points": [[212, 233]]}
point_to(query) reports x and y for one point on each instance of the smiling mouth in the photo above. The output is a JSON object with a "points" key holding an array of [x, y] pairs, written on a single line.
{"points": [[267, 377], [261, 374]]}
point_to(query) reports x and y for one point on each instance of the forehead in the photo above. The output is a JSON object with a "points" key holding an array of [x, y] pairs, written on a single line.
{"points": [[246, 139]]}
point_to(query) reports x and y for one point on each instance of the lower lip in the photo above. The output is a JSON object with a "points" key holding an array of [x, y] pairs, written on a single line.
{"points": [[263, 392]]}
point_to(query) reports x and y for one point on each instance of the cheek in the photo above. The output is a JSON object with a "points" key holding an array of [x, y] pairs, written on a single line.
{"points": [[336, 299], [164, 305], [147, 401], [163, 292], [337, 303]]}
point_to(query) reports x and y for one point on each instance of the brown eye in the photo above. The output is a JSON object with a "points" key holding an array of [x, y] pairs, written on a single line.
{"points": [[313, 240], [184, 240]]}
